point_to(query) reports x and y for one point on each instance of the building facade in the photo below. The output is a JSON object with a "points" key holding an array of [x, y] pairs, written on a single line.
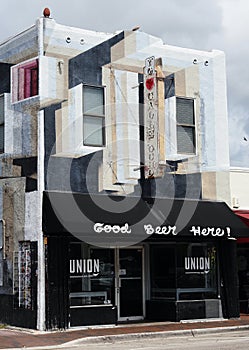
{"points": [[115, 180]]}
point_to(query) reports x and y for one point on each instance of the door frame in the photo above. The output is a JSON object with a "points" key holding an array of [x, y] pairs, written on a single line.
{"points": [[117, 285]]}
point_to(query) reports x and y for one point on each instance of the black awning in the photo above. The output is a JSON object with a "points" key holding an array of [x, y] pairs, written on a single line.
{"points": [[133, 219]]}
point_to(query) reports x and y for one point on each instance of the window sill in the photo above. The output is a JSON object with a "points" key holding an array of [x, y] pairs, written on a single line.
{"points": [[183, 157], [35, 101], [84, 151], [28, 102], [88, 306]]}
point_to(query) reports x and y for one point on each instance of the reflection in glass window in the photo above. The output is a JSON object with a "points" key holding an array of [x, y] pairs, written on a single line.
{"points": [[91, 275], [93, 131], [197, 271], [93, 99], [185, 271]]}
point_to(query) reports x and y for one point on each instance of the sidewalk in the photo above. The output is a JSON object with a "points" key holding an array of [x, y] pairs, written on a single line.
{"points": [[11, 337]]}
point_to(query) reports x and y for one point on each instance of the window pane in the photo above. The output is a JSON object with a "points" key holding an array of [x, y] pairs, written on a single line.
{"points": [[34, 82], [185, 139], [196, 271], [185, 111], [93, 99], [93, 131], [91, 275]]}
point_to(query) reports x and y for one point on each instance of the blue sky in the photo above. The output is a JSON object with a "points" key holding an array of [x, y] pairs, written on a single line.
{"points": [[205, 25]]}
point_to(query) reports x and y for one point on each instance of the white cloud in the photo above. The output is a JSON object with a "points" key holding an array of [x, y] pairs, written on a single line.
{"points": [[239, 138], [235, 27]]}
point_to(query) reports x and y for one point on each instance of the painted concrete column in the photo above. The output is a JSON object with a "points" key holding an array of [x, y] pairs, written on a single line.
{"points": [[40, 180], [41, 256]]}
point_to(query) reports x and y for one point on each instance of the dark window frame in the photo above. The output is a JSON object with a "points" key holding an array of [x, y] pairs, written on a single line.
{"points": [[190, 126], [26, 80]]}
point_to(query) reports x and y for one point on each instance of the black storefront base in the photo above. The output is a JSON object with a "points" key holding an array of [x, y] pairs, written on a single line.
{"points": [[16, 317], [157, 310], [169, 310], [202, 215], [88, 316]]}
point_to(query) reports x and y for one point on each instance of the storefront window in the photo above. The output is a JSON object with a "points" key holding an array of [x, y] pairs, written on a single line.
{"points": [[91, 275], [185, 271], [196, 271]]}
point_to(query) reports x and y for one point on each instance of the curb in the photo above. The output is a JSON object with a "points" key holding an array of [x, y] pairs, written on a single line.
{"points": [[143, 335]]}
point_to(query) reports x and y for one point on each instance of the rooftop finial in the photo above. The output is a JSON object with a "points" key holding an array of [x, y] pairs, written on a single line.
{"points": [[46, 12]]}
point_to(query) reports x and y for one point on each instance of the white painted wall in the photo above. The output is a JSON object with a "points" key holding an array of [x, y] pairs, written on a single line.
{"points": [[127, 127], [69, 41], [239, 183], [206, 83], [32, 220]]}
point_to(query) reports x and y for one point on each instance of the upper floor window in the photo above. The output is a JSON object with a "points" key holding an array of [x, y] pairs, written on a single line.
{"points": [[25, 80], [185, 119], [93, 116], [1, 124]]}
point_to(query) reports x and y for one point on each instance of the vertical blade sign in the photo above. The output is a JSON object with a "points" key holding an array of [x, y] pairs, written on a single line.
{"points": [[151, 138]]}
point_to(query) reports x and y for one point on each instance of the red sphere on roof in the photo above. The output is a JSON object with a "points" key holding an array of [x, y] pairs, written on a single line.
{"points": [[46, 12]]}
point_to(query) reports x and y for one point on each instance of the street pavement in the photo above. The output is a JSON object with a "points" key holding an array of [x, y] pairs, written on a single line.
{"points": [[103, 337], [237, 340]]}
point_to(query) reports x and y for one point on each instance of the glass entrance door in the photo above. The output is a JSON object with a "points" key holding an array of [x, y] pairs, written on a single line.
{"points": [[129, 289]]}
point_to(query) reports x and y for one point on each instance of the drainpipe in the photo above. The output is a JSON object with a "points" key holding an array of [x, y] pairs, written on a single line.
{"points": [[41, 314]]}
